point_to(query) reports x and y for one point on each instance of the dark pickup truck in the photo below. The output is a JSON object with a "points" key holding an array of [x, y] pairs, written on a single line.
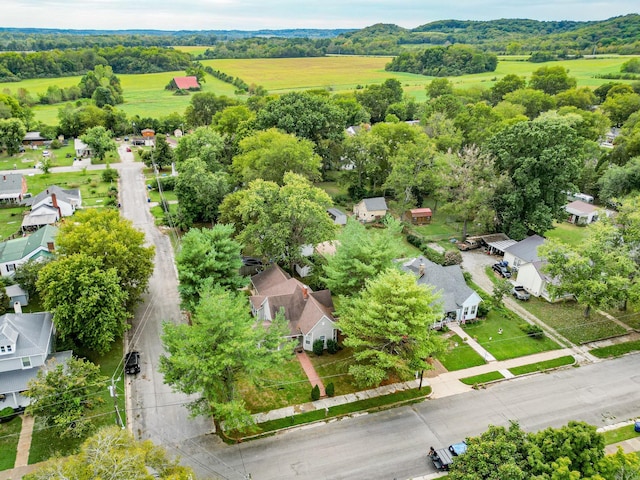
{"points": [[443, 457]]}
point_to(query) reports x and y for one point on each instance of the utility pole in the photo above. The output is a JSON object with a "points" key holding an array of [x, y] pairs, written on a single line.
{"points": [[114, 395]]}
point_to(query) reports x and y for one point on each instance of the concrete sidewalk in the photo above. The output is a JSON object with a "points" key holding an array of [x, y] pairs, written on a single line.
{"points": [[471, 342]]}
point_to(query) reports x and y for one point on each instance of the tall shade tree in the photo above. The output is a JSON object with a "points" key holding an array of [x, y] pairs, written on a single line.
{"points": [[200, 192], [277, 221], [508, 83], [87, 302], [115, 242], [64, 395], [305, 115], [113, 454], [534, 101], [204, 106], [468, 186], [162, 154], [99, 141], [203, 143], [415, 171], [223, 343], [541, 159], [269, 154], [12, 132], [359, 256], [598, 272], [377, 98], [208, 257], [552, 80], [387, 325]]}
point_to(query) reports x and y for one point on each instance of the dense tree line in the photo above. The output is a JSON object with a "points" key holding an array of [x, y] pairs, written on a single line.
{"points": [[444, 61], [267, 48], [62, 63]]}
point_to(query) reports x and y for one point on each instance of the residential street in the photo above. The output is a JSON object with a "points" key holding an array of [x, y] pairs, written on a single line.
{"points": [[393, 444], [156, 412]]}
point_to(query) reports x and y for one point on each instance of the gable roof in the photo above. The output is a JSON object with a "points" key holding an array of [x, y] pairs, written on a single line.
{"points": [[186, 83], [15, 291], [420, 212], [33, 332], [302, 307], [526, 249], [579, 207], [377, 203], [33, 137], [335, 212], [67, 196], [10, 185], [23, 247], [447, 281]]}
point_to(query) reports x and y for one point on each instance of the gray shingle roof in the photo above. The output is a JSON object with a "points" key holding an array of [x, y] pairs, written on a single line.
{"points": [[377, 203], [447, 281], [10, 185], [527, 249]]}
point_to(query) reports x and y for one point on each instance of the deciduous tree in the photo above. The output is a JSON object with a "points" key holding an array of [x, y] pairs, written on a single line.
{"points": [[269, 154], [12, 132], [551, 80], [360, 256], [87, 302], [203, 143], [162, 154], [276, 221], [99, 141], [115, 242], [222, 343], [387, 325], [64, 394], [113, 454], [208, 257]]}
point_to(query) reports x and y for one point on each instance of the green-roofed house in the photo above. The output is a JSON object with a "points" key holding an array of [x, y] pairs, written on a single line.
{"points": [[14, 253]]}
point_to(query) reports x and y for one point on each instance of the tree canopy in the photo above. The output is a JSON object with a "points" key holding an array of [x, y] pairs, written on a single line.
{"points": [[208, 257], [99, 141], [387, 325], [222, 344]]}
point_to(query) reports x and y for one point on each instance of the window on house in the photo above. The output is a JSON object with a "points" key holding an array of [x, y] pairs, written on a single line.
{"points": [[9, 349], [2, 349], [26, 362], [473, 309], [307, 340], [11, 267], [465, 312]]}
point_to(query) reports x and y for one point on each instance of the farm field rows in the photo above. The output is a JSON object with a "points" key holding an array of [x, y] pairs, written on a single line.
{"points": [[145, 94]]}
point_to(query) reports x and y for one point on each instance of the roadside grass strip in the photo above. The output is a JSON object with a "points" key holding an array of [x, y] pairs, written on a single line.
{"points": [[616, 350]]}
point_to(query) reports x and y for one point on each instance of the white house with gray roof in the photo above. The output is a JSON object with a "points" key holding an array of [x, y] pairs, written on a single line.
{"points": [[459, 301], [13, 186], [26, 344], [51, 205], [524, 251], [370, 209]]}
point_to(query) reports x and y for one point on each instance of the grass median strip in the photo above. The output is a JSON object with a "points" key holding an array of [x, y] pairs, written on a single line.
{"points": [[619, 434], [482, 378], [366, 405], [541, 366], [616, 350]]}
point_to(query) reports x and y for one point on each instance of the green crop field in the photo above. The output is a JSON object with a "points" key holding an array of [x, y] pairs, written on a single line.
{"points": [[145, 94]]}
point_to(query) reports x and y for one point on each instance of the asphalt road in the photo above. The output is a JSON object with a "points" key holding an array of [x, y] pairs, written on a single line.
{"points": [[393, 444], [155, 411]]}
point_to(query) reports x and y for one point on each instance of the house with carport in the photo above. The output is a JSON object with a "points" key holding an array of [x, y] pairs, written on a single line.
{"points": [[309, 313], [522, 252], [459, 301], [49, 206]]}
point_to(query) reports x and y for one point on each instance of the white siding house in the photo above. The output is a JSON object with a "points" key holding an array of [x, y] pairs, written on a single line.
{"points": [[370, 209]]}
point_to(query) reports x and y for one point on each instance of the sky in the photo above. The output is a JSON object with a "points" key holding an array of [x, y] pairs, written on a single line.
{"points": [[276, 14]]}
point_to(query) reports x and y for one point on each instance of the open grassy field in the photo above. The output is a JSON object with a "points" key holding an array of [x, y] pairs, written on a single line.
{"points": [[459, 355], [568, 233], [145, 95]]}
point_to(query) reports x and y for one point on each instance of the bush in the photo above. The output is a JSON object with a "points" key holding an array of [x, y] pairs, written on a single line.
{"points": [[415, 241], [56, 144], [534, 331], [315, 393], [452, 257], [168, 183], [6, 414], [318, 347], [431, 254], [332, 346], [330, 389], [109, 175], [467, 276], [483, 309]]}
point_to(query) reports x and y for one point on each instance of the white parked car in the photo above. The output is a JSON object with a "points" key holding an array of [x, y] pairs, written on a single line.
{"points": [[45, 153]]}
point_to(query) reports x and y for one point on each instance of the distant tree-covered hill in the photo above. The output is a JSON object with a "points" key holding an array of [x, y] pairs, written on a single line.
{"points": [[504, 36]]}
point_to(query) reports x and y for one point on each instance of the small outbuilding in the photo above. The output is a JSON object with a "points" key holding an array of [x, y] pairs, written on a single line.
{"points": [[338, 216], [581, 213], [420, 216], [370, 209], [17, 294]]}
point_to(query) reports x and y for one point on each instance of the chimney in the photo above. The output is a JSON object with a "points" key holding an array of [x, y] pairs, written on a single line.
{"points": [[17, 307], [421, 270], [54, 200], [4, 177], [305, 293], [51, 247]]}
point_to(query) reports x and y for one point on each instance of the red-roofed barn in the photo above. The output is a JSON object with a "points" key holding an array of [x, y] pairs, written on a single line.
{"points": [[186, 83]]}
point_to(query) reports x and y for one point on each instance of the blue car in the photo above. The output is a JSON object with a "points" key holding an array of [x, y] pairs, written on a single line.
{"points": [[636, 427]]}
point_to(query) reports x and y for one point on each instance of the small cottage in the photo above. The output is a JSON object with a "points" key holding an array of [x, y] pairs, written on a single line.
{"points": [[370, 209]]}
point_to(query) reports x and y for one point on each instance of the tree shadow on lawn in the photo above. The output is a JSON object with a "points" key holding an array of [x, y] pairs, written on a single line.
{"points": [[500, 334]]}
